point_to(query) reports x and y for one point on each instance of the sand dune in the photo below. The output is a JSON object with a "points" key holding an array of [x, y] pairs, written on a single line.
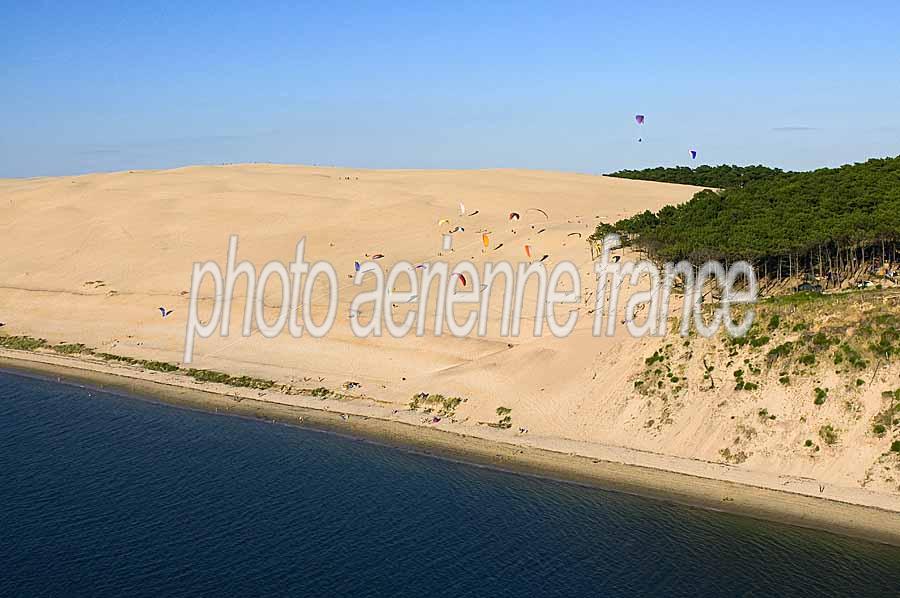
{"points": [[90, 258], [108, 249]]}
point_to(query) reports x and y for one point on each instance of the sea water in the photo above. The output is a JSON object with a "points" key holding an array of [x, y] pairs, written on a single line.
{"points": [[109, 495]]}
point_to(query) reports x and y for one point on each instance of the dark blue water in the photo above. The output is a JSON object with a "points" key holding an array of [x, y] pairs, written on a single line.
{"points": [[105, 495]]}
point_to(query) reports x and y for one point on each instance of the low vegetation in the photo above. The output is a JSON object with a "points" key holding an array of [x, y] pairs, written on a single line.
{"points": [[27, 343], [436, 403], [22, 343], [828, 434], [505, 421]]}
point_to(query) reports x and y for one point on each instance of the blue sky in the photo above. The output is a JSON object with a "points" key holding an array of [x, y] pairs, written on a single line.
{"points": [[113, 86]]}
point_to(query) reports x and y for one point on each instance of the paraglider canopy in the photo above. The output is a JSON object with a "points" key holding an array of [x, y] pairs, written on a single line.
{"points": [[639, 119], [514, 216], [693, 154]]}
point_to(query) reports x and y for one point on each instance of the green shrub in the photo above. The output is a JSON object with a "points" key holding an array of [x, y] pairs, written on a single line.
{"points": [[853, 356], [895, 446], [447, 404], [820, 340], [759, 341], [781, 350], [887, 343], [828, 434], [657, 356], [821, 395], [808, 359]]}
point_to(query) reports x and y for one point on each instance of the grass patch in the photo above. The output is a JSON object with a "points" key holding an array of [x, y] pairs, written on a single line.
{"points": [[118, 358], [158, 366], [22, 343], [223, 378], [70, 348]]}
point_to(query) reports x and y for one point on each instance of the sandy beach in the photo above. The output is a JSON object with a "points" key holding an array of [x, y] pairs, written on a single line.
{"points": [[90, 259]]}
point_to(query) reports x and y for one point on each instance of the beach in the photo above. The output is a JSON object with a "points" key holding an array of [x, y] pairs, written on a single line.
{"points": [[90, 260]]}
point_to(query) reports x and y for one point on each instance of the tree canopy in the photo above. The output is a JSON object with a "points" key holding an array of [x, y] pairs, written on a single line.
{"points": [[786, 222], [718, 177]]}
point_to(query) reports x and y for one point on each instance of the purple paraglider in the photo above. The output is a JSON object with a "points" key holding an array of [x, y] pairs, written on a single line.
{"points": [[693, 154], [639, 119]]}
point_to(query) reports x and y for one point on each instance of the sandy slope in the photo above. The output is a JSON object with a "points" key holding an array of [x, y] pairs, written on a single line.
{"points": [[90, 258], [139, 233]]}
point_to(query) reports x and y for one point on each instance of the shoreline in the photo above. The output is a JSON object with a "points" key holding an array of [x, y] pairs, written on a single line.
{"points": [[849, 512]]}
